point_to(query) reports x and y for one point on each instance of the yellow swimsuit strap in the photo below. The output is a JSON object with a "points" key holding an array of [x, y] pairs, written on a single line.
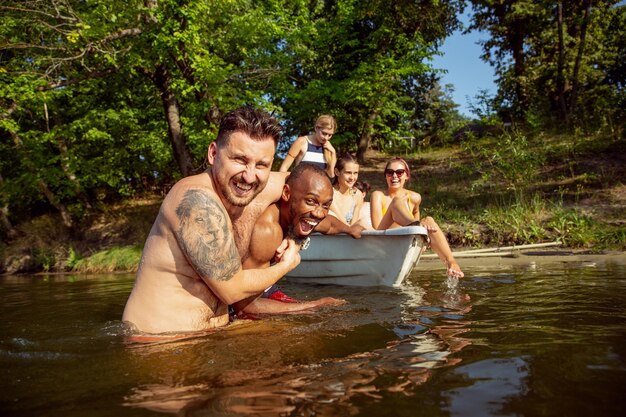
{"points": [[386, 206]]}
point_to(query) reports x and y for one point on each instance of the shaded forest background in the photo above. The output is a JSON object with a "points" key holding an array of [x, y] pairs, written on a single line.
{"points": [[104, 103]]}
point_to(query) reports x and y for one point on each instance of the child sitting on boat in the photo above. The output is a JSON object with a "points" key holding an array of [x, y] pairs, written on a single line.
{"points": [[366, 216], [398, 207], [347, 200]]}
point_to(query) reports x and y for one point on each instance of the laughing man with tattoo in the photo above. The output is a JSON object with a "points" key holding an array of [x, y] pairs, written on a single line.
{"points": [[190, 270]]}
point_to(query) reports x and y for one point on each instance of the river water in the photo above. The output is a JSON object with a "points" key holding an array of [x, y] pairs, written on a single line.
{"points": [[536, 338]]}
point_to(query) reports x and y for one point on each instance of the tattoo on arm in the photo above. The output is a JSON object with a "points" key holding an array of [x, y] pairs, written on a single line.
{"points": [[205, 237]]}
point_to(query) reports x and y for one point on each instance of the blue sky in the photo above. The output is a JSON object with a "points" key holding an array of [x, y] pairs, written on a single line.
{"points": [[465, 70]]}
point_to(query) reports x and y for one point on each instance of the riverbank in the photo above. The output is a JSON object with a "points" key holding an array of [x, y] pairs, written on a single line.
{"points": [[576, 197], [530, 259]]}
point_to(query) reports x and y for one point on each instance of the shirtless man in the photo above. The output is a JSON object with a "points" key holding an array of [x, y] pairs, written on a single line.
{"points": [[302, 209], [190, 270]]}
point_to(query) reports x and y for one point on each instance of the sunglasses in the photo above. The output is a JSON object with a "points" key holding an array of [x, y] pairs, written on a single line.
{"points": [[398, 172]]}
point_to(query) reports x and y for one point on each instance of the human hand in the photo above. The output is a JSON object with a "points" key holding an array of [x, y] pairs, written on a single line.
{"points": [[308, 307], [454, 270], [355, 230], [329, 149], [329, 301], [431, 228], [280, 250], [291, 254]]}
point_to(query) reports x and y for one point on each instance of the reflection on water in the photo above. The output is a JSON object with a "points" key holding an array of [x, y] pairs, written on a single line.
{"points": [[535, 339]]}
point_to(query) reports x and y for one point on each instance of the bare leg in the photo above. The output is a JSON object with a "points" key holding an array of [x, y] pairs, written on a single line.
{"points": [[400, 212], [440, 245], [397, 215]]}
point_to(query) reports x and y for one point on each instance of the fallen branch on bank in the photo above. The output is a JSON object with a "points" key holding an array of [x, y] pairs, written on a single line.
{"points": [[492, 252]]}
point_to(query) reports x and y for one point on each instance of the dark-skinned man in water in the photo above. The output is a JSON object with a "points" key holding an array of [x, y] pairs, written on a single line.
{"points": [[190, 270], [302, 209]]}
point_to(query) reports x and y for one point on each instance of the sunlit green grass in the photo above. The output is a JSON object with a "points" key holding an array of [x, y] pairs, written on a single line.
{"points": [[125, 258], [513, 190]]}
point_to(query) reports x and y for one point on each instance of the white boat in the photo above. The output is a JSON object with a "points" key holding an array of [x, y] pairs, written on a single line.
{"points": [[379, 257]]}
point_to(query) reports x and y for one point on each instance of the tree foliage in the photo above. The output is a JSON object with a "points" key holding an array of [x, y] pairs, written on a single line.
{"points": [[558, 63], [105, 99]]}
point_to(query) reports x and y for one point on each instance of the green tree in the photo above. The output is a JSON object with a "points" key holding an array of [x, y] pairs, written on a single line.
{"points": [[101, 99], [362, 61], [436, 117], [556, 61]]}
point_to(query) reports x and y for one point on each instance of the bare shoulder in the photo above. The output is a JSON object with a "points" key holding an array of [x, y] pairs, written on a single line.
{"points": [[360, 198], [301, 142], [377, 195], [415, 197], [202, 228], [278, 178], [266, 237], [201, 183], [274, 188]]}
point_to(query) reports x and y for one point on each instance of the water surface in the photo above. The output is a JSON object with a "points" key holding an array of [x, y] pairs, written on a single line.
{"points": [[527, 339]]}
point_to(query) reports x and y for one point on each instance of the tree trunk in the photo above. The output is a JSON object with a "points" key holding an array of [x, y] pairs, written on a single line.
{"points": [[171, 107], [65, 214], [560, 84], [516, 42], [43, 186], [70, 175], [579, 56], [366, 137], [5, 223], [65, 165], [174, 126]]}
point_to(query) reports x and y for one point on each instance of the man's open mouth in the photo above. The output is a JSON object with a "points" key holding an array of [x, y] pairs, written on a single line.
{"points": [[306, 226], [243, 188]]}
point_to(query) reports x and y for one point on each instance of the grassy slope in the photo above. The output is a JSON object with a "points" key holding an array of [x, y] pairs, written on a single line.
{"points": [[559, 188], [523, 191]]}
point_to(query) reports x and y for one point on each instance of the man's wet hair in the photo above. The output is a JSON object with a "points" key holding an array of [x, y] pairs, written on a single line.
{"points": [[254, 122], [303, 167]]}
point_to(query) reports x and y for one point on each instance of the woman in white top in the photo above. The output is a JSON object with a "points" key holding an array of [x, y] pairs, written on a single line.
{"points": [[315, 148], [347, 199]]}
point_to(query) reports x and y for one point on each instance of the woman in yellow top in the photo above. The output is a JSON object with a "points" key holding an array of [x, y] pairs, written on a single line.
{"points": [[398, 207], [315, 148]]}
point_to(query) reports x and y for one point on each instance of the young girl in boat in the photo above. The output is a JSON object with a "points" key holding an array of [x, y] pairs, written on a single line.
{"points": [[347, 200], [398, 207], [366, 217], [315, 148]]}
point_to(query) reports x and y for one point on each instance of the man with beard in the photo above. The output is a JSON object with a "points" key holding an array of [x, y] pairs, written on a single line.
{"points": [[302, 209], [190, 270]]}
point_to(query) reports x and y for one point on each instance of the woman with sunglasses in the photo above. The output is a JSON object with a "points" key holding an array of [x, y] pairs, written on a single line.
{"points": [[315, 148], [398, 207]]}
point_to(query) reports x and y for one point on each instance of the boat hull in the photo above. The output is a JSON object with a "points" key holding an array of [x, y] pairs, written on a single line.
{"points": [[378, 258]]}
